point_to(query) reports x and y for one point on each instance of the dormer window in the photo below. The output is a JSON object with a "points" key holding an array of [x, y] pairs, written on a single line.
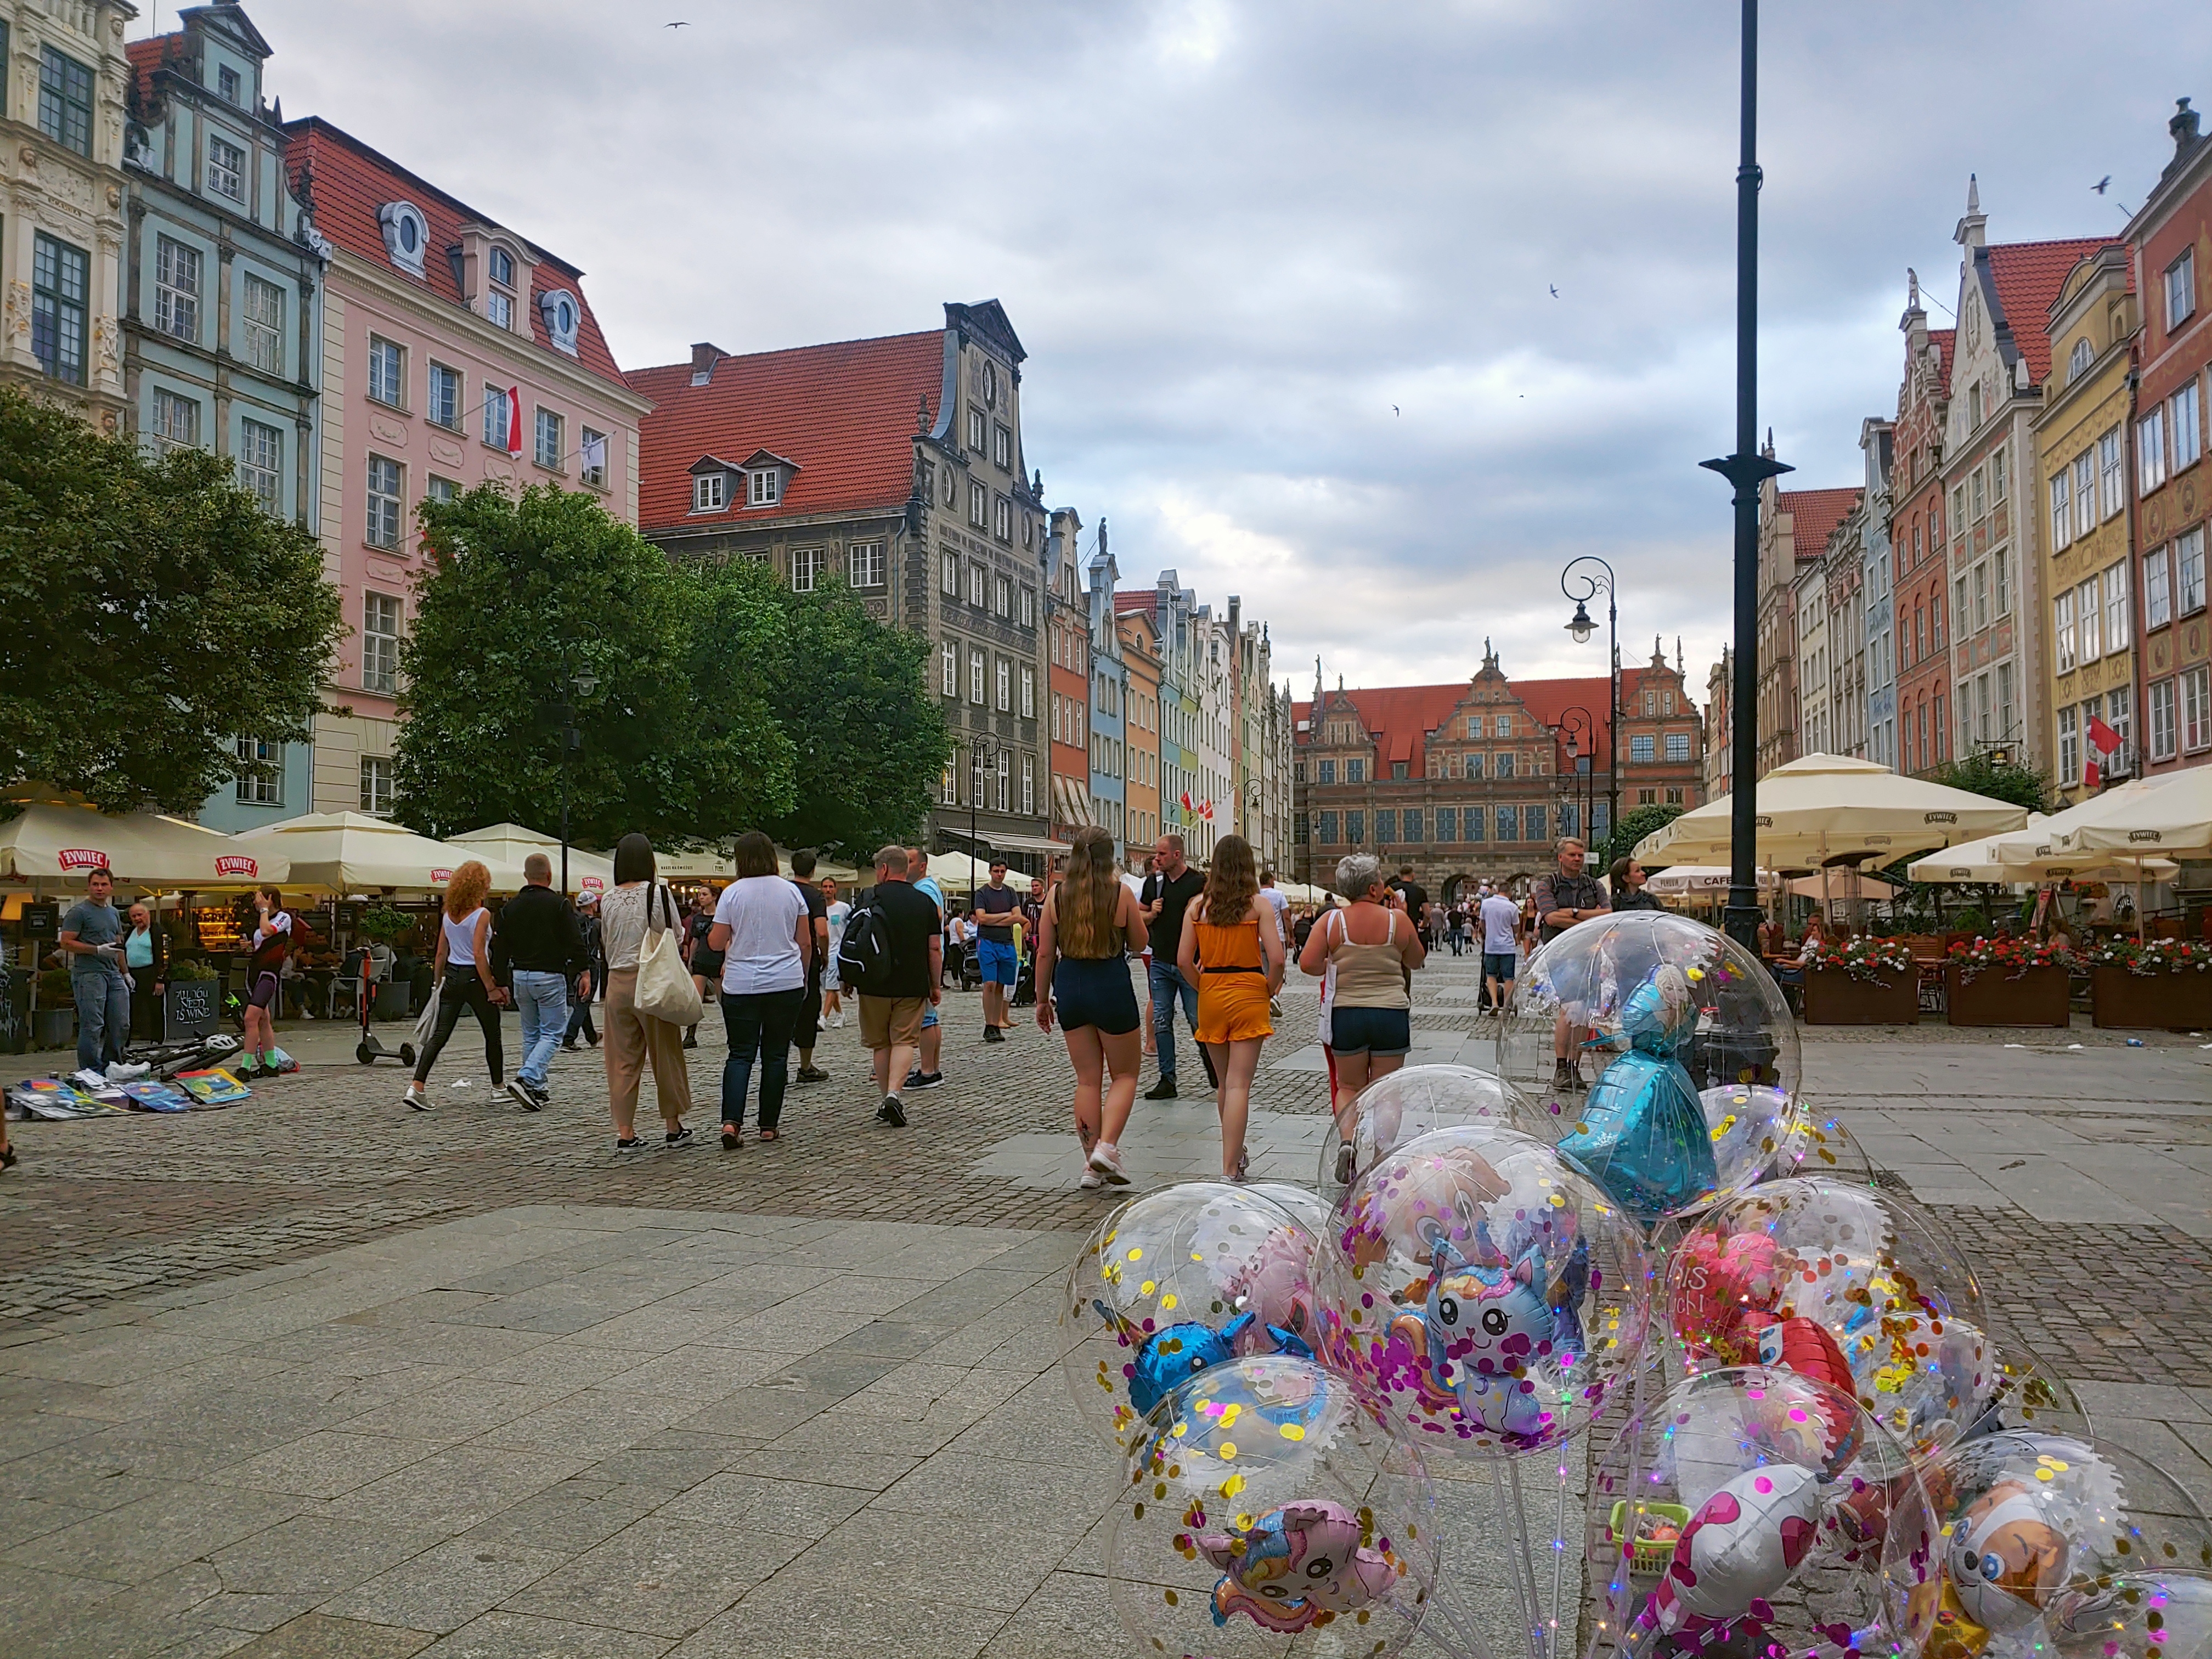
{"points": [[499, 296], [228, 86], [764, 488], [502, 266], [406, 234], [226, 168], [707, 490], [558, 310], [2078, 361]]}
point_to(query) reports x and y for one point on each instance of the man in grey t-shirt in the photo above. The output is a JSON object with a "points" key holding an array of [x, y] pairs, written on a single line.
{"points": [[91, 935]]}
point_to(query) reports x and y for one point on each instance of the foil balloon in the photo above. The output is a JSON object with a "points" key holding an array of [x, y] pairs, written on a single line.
{"points": [[1742, 1546], [1715, 1281], [1642, 1134], [1481, 1331], [1803, 1346], [1169, 1358], [1295, 1566]]}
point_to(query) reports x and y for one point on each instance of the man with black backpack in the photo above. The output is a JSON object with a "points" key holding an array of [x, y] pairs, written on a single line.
{"points": [[893, 955]]}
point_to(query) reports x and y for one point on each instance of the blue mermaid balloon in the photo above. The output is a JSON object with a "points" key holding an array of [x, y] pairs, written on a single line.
{"points": [[1172, 1355], [1642, 1134]]}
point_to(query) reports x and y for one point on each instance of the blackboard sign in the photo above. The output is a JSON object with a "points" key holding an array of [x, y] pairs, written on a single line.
{"points": [[42, 920], [14, 1012], [191, 1008]]}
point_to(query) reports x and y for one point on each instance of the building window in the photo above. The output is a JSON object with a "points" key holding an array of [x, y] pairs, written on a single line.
{"points": [[1029, 692], [2160, 706], [948, 573], [444, 407], [592, 458], [976, 430], [1647, 797], [1326, 830], [498, 417], [559, 313], [262, 332], [1412, 826], [1474, 765], [806, 569], [1002, 447], [2150, 450], [2189, 564], [707, 492], [2062, 510], [261, 464], [1355, 770], [975, 586], [864, 566], [2188, 427], [444, 492], [387, 373], [1471, 823], [1003, 520], [1509, 824], [176, 423], [1028, 786], [948, 668], [176, 288], [2070, 749], [264, 786], [764, 487], [1004, 701], [226, 168], [2078, 360], [376, 785], [1532, 823], [60, 275], [2197, 708], [1447, 825], [1678, 747], [2180, 276], [383, 528], [2115, 608], [1002, 597], [1355, 828], [65, 101], [979, 506], [1398, 770], [1640, 749], [550, 452], [2091, 616], [1325, 771], [2061, 627], [1005, 771], [1029, 607], [2109, 470], [227, 85], [1385, 827], [975, 678], [379, 643], [2158, 606]]}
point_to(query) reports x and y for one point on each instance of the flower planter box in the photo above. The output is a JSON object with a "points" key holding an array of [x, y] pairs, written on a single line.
{"points": [[1833, 997], [2122, 1001], [1998, 996]]}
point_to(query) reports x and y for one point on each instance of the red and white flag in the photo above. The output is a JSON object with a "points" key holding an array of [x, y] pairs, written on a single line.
{"points": [[2093, 776], [1186, 806], [1206, 810], [514, 422], [2102, 737]]}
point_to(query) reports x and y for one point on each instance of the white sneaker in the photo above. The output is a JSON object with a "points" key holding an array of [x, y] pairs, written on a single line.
{"points": [[1090, 1181], [1106, 1162], [416, 1097]]}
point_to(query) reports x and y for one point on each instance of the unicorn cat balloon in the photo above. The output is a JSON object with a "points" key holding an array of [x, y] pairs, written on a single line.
{"points": [[1173, 1355], [1295, 1567]]}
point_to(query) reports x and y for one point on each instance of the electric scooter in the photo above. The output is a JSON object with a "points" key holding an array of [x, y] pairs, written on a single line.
{"points": [[370, 1049]]}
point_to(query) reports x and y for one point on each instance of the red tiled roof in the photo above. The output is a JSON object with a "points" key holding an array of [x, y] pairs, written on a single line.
{"points": [[147, 56], [1146, 599], [1945, 339], [1813, 513], [1400, 717], [2027, 277], [350, 182], [844, 413]]}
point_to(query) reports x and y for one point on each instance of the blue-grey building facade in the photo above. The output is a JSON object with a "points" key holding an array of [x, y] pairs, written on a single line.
{"points": [[1110, 702], [220, 285], [1877, 588]]}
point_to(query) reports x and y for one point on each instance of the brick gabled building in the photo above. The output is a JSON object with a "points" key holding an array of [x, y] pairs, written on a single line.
{"points": [[897, 464], [1794, 527], [1922, 592], [1476, 780]]}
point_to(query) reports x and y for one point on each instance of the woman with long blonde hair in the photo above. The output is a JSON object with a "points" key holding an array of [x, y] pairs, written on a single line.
{"points": [[1091, 925], [1232, 951], [463, 979]]}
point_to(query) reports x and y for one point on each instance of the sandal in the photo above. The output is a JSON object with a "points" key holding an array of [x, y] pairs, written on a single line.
{"points": [[9, 1157], [770, 1134], [733, 1139]]}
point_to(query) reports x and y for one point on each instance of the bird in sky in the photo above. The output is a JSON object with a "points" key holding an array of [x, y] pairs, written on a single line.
{"points": [[1555, 290], [2101, 184], [1394, 409], [675, 26]]}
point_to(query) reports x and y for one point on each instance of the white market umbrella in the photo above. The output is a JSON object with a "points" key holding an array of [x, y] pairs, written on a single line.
{"points": [[2170, 816], [1825, 809], [952, 872], [352, 853], [511, 843], [1682, 881], [59, 837], [2026, 857]]}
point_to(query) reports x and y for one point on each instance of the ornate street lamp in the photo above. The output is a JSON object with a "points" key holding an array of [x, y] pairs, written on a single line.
{"points": [[1582, 588], [983, 753], [1580, 732]]}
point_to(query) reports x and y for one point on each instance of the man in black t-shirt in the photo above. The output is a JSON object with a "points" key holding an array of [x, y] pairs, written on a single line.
{"points": [[817, 930], [1417, 901], [996, 907], [909, 980], [1166, 896]]}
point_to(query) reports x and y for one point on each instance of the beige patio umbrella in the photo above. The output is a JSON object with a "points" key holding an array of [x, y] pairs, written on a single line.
{"points": [[713, 863], [59, 836], [950, 871], [1683, 880], [352, 853], [2171, 816], [511, 843], [1993, 859]]}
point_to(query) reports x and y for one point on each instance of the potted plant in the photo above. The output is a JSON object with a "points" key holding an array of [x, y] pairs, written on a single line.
{"points": [[54, 1022], [2151, 985], [1862, 982], [2007, 981], [191, 1001]]}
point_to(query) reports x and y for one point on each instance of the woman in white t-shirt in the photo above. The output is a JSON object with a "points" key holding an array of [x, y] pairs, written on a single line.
{"points": [[464, 979], [838, 913], [763, 929]]}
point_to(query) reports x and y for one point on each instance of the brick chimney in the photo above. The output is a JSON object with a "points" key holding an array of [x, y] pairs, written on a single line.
{"points": [[704, 356]]}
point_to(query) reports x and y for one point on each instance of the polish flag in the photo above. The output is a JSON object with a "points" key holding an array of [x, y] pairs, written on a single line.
{"points": [[2093, 776], [1186, 806], [2102, 737], [514, 422]]}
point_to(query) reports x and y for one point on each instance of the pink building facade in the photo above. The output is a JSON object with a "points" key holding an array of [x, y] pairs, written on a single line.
{"points": [[443, 333]]}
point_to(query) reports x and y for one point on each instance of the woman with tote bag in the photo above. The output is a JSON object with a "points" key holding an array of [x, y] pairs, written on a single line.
{"points": [[640, 931]]}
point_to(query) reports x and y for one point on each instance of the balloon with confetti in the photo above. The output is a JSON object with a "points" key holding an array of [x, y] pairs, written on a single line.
{"points": [[1409, 1103]]}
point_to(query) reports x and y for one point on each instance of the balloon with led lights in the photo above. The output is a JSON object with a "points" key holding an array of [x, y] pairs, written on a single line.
{"points": [[1414, 1099]]}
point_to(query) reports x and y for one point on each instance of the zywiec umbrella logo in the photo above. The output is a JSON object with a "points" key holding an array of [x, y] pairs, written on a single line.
{"points": [[82, 858], [1939, 817], [2133, 835], [1763, 822], [237, 864], [441, 876], [593, 885]]}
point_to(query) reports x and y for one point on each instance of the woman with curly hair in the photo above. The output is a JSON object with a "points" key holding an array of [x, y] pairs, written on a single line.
{"points": [[1232, 951], [463, 976]]}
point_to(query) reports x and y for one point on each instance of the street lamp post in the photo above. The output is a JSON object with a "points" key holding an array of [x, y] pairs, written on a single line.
{"points": [[1747, 470], [1581, 733], [1587, 587], [983, 753]]}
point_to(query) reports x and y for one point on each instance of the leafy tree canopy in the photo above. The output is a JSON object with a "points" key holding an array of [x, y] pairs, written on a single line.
{"points": [[154, 613], [2000, 780], [1631, 828]]}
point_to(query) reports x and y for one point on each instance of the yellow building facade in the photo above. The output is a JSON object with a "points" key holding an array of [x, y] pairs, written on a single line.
{"points": [[2082, 469]]}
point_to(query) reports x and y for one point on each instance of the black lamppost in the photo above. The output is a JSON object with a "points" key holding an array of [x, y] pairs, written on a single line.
{"points": [[1747, 470], [1581, 734], [1587, 587], [572, 740], [983, 753]]}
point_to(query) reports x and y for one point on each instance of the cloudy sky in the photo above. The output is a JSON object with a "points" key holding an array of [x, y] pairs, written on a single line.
{"points": [[1283, 267]]}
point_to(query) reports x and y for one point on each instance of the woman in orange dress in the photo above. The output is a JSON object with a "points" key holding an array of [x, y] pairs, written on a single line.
{"points": [[1232, 951]]}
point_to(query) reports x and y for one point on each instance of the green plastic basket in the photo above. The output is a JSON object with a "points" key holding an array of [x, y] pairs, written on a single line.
{"points": [[1650, 1559]]}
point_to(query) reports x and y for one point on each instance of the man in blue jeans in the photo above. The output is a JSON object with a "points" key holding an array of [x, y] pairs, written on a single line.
{"points": [[996, 907], [538, 946], [1166, 896], [91, 936]]}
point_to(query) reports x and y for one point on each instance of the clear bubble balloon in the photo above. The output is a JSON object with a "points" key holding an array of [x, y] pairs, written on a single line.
{"points": [[1747, 1512], [1873, 1269], [1487, 1298], [2030, 1541], [1177, 1282], [1759, 1133], [1309, 1207], [1265, 1513], [1615, 1030], [1409, 1103]]}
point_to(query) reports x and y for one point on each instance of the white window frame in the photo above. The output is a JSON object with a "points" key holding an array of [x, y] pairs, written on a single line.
{"points": [[261, 464], [586, 472], [1678, 740], [2090, 620], [2194, 686], [261, 790], [2062, 508], [2189, 572], [175, 420], [261, 324], [2112, 469], [2181, 278], [1004, 769], [380, 644], [2118, 621], [388, 372], [376, 785], [806, 565], [2186, 411], [179, 269], [975, 577], [1028, 786], [548, 448], [497, 416], [443, 395], [1003, 683], [948, 573], [866, 567], [226, 174], [2150, 450], [708, 490], [1029, 691], [1002, 446], [975, 435], [442, 491], [979, 506], [2158, 590], [2085, 493], [1002, 518], [949, 664], [764, 486], [1002, 595], [975, 671], [386, 506], [2062, 632], [1029, 607], [2159, 717]]}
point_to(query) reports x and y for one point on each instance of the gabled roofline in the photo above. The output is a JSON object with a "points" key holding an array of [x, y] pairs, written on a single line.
{"points": [[987, 318], [233, 20]]}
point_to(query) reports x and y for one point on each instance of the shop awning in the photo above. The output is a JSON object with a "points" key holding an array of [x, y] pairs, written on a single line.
{"points": [[59, 837], [1030, 843]]}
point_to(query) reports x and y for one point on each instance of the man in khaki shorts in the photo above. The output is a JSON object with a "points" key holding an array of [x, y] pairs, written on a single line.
{"points": [[908, 980]]}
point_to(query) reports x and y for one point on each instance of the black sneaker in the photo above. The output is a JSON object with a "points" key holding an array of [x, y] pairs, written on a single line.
{"points": [[523, 1095], [678, 1137], [811, 1074], [1343, 1164], [634, 1144], [926, 1080], [912, 1079], [891, 1112], [992, 1034], [1164, 1090]]}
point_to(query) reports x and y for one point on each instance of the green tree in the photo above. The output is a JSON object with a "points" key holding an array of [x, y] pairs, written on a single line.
{"points": [[523, 595], [1631, 830], [1999, 780], [154, 613], [869, 742]]}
